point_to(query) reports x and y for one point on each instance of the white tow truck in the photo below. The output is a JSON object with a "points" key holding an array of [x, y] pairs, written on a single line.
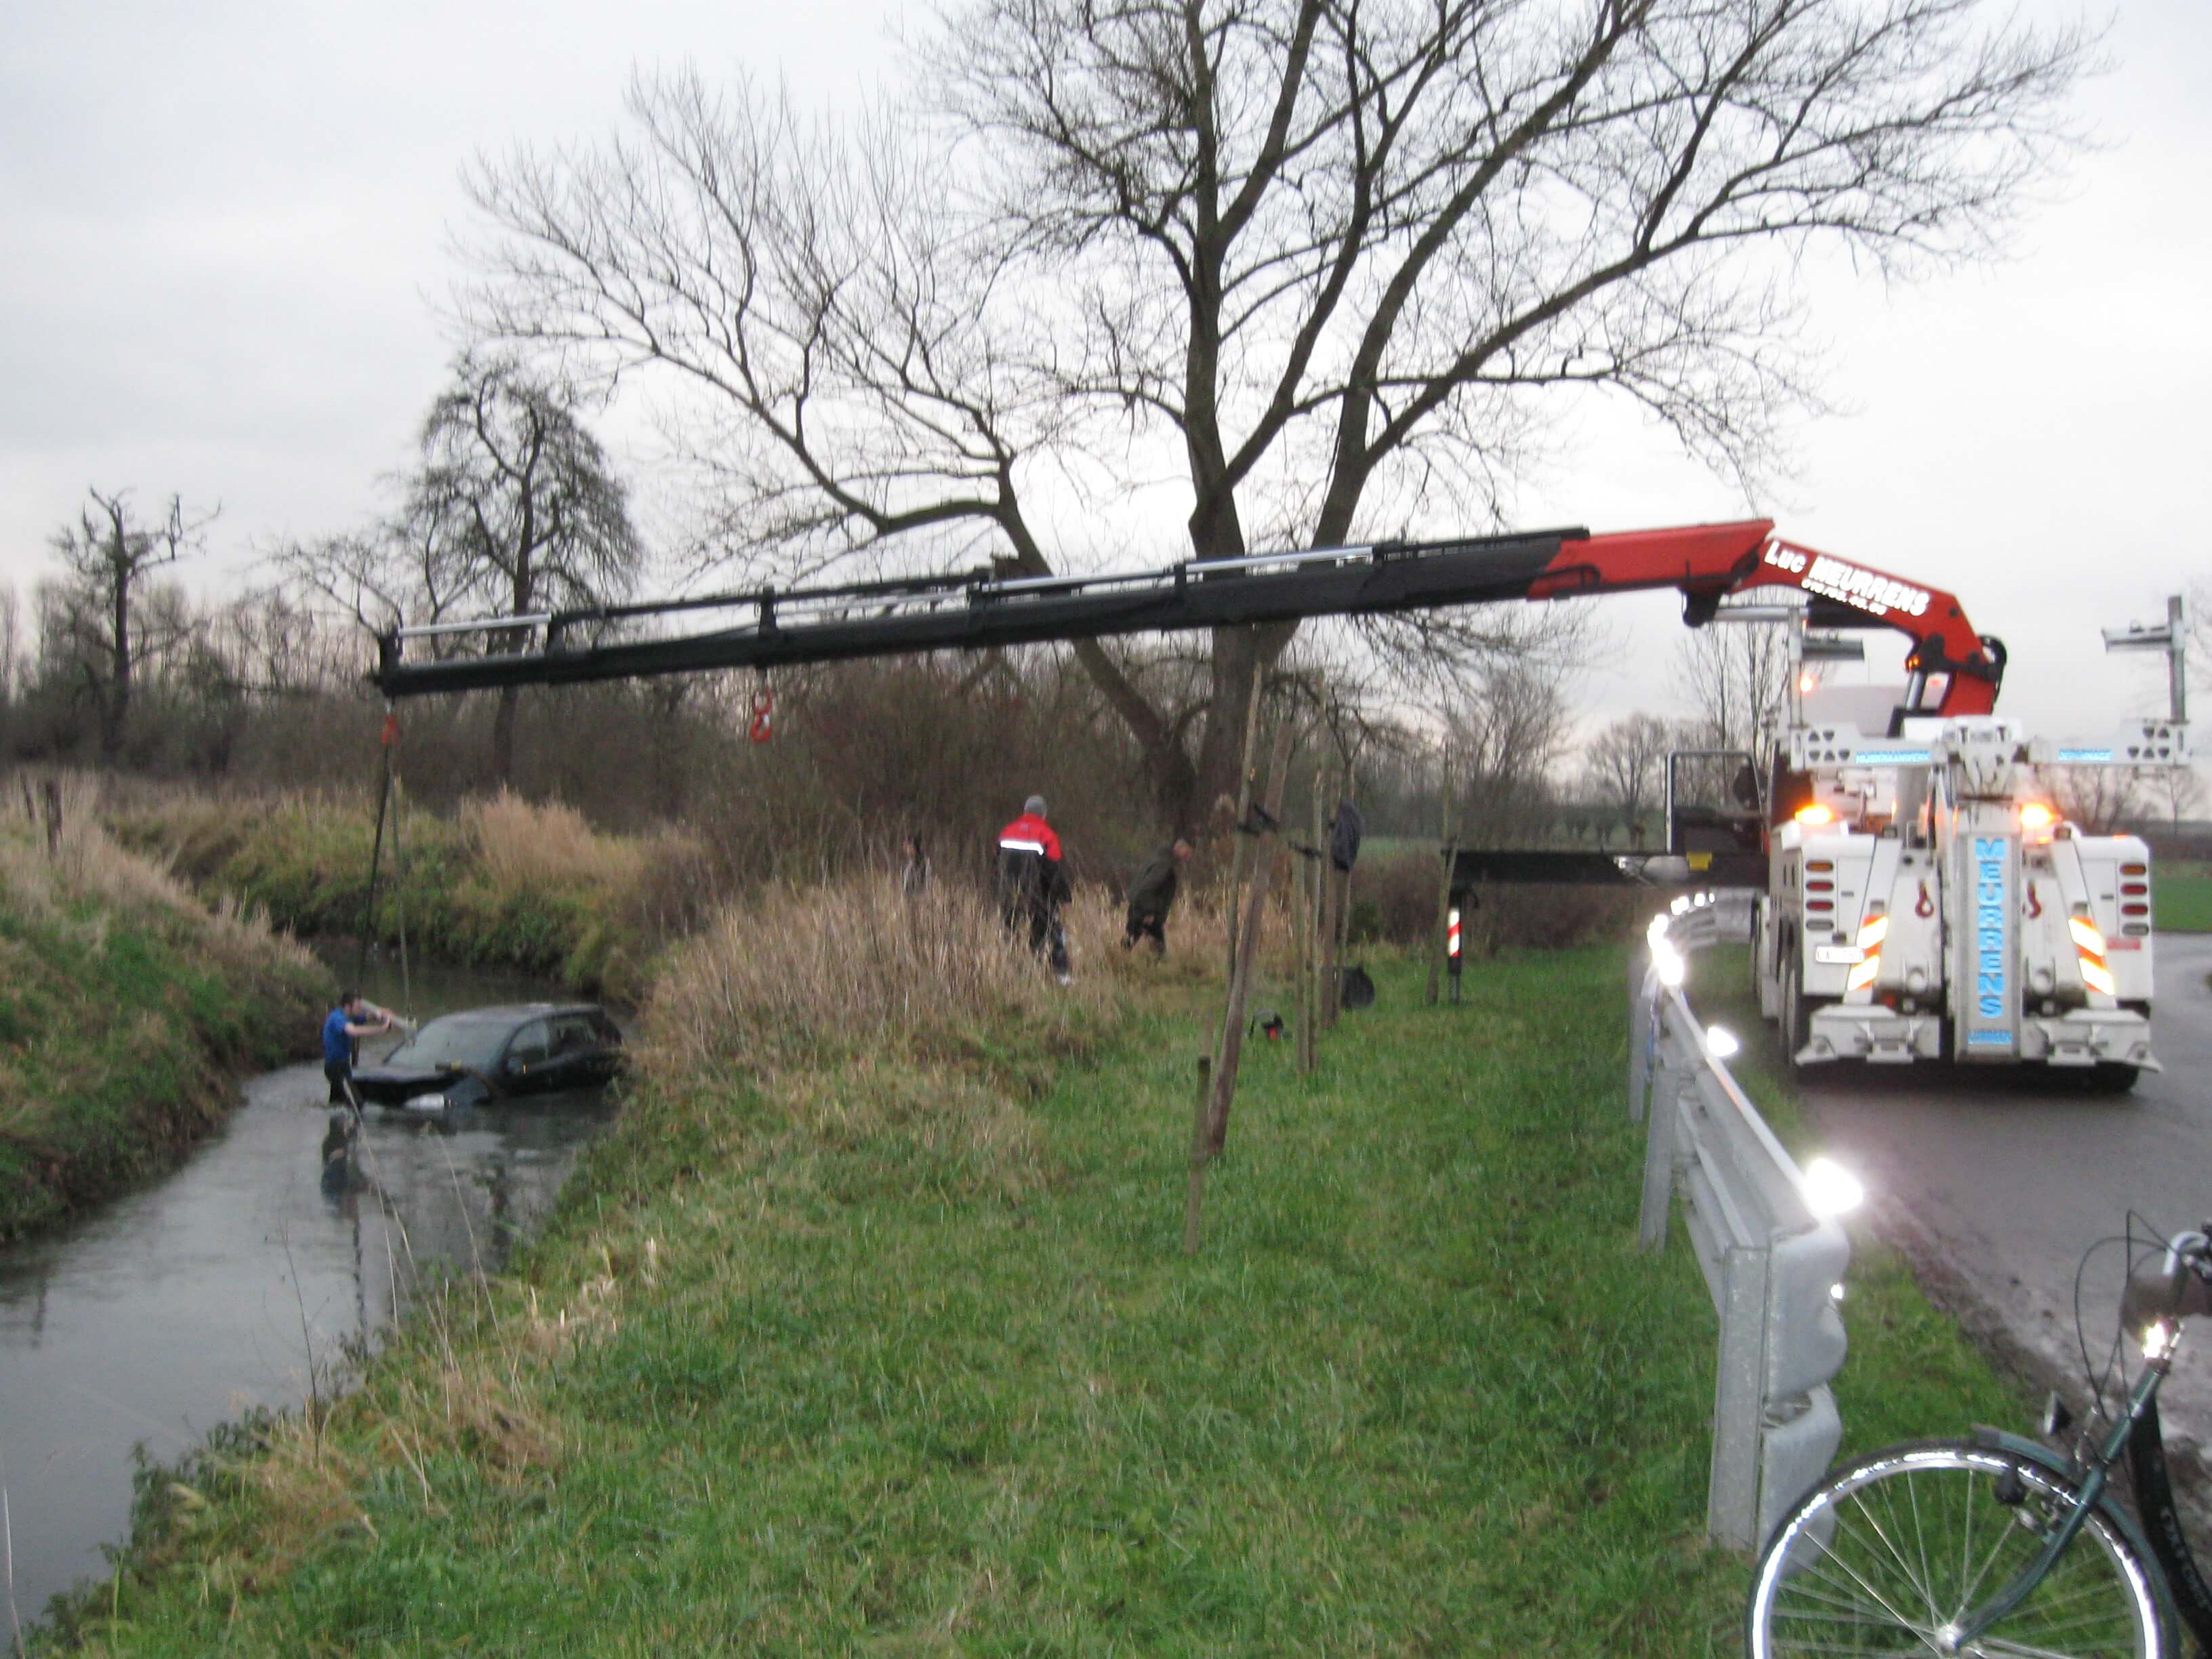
{"points": [[1925, 899]]}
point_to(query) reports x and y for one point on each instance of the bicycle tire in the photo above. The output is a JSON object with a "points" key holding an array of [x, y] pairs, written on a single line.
{"points": [[1886, 1554], [2161, 1522]]}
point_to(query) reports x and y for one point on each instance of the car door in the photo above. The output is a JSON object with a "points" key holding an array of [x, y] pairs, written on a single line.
{"points": [[575, 1049], [526, 1069]]}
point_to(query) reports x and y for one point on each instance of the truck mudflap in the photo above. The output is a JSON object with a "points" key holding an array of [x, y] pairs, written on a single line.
{"points": [[2081, 1037]]}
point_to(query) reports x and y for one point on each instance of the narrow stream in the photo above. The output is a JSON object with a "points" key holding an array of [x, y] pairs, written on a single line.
{"points": [[215, 1291]]}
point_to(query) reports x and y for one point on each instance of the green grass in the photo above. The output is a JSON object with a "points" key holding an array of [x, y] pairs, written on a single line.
{"points": [[2181, 898], [906, 1364], [126, 1015]]}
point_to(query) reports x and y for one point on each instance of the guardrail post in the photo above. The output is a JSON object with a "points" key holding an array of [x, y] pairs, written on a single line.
{"points": [[1639, 1032], [1732, 1496], [1659, 1150], [1805, 1346]]}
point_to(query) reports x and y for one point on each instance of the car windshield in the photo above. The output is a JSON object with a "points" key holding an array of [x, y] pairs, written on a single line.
{"points": [[456, 1042]]}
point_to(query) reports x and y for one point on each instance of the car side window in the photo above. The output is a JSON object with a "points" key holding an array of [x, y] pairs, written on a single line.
{"points": [[573, 1035], [529, 1046]]}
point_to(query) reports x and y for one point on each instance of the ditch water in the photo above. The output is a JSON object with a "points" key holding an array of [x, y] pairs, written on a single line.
{"points": [[221, 1287]]}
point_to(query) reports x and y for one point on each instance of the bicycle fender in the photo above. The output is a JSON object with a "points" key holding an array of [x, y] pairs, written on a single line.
{"points": [[2034, 1451]]}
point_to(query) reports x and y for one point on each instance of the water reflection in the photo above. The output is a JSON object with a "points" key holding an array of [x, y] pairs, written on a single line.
{"points": [[178, 1307]]}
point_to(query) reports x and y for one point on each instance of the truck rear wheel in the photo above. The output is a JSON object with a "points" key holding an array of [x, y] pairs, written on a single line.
{"points": [[1792, 1013]]}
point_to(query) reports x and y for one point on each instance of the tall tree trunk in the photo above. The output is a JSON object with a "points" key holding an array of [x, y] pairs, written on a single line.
{"points": [[118, 711], [510, 697], [1241, 657]]}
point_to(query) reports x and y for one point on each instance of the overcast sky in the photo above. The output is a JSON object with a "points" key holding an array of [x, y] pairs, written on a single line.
{"points": [[228, 228]]}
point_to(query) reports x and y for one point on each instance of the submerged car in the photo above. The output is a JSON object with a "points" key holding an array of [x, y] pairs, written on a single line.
{"points": [[489, 1055]]}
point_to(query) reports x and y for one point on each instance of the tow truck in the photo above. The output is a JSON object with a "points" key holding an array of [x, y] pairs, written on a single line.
{"points": [[1925, 899], [1918, 898]]}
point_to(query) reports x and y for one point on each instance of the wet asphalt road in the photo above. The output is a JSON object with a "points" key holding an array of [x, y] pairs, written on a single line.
{"points": [[1994, 1183]]}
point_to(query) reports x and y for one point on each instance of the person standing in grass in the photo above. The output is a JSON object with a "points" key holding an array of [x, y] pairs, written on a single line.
{"points": [[342, 1030], [1152, 895], [1032, 882]]}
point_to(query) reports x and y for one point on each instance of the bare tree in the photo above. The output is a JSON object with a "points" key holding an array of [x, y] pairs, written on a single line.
{"points": [[2179, 792], [2099, 799], [1504, 734], [110, 554], [1626, 766], [514, 505], [1328, 265], [10, 642], [1736, 678]]}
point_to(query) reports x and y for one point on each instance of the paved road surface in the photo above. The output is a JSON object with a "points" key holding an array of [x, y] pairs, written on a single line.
{"points": [[1996, 1184]]}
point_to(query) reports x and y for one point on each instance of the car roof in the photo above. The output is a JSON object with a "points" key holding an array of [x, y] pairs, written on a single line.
{"points": [[514, 1013]]}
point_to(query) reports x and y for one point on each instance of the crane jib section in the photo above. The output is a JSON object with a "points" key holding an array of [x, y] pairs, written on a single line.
{"points": [[983, 610]]}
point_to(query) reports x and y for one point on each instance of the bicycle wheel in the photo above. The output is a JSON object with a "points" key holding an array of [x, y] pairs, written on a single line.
{"points": [[1888, 1554], [2161, 1520]]}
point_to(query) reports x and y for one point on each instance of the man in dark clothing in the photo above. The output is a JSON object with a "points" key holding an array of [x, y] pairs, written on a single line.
{"points": [[1032, 884], [1152, 895], [342, 1029]]}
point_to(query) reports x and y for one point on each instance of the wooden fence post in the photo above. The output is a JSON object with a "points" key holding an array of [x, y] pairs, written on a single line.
{"points": [[53, 791], [1337, 900], [1309, 898], [1199, 1149], [1440, 938], [1248, 941], [1247, 761]]}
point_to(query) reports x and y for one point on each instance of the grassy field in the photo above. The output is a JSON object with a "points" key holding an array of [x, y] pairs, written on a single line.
{"points": [[126, 1008], [2181, 898], [887, 1346]]}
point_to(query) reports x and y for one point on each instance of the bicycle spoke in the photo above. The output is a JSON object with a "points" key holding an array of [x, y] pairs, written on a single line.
{"points": [[1897, 1615], [1909, 1546]]}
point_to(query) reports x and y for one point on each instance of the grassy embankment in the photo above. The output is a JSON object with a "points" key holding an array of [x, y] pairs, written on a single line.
{"points": [[504, 884], [867, 1329], [127, 1009]]}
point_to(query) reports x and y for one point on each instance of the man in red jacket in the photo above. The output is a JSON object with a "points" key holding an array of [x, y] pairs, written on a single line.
{"points": [[1032, 883]]}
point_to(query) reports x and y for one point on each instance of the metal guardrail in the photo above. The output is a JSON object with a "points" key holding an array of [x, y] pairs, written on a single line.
{"points": [[1771, 1256]]}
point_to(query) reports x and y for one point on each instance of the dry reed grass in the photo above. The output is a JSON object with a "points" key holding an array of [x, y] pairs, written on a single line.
{"points": [[90, 865], [845, 968], [1198, 940], [525, 846]]}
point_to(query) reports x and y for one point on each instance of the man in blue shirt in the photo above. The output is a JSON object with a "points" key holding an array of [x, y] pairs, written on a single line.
{"points": [[347, 1024]]}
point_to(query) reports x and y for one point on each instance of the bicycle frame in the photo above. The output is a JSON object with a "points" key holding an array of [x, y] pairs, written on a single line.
{"points": [[2090, 1490]]}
